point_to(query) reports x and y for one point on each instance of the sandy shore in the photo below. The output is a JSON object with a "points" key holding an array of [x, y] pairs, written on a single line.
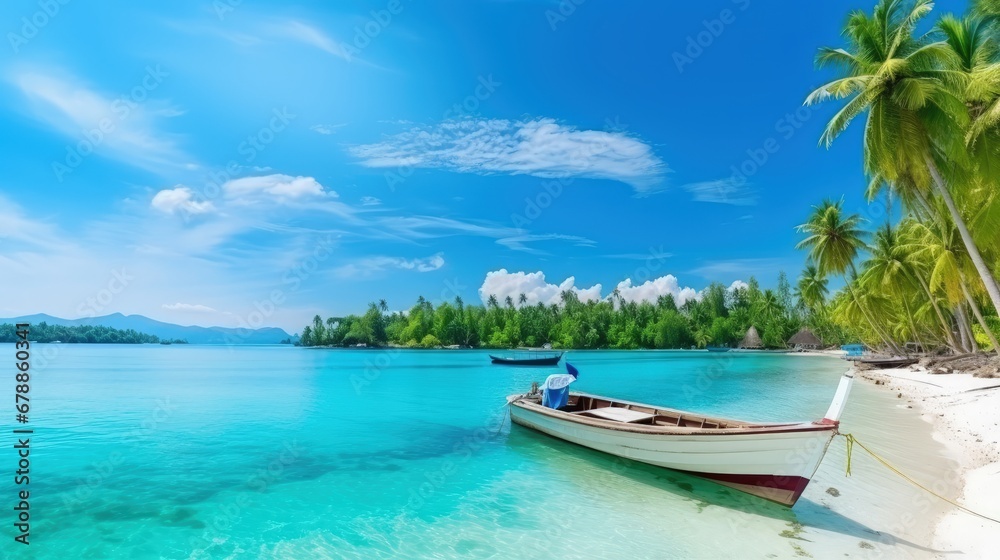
{"points": [[964, 412]]}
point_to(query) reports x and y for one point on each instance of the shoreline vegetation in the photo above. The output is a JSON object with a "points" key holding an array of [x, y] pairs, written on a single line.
{"points": [[720, 317], [83, 334]]}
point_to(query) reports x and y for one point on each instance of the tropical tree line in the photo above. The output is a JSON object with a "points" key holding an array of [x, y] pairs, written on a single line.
{"points": [[719, 317], [43, 332], [930, 94]]}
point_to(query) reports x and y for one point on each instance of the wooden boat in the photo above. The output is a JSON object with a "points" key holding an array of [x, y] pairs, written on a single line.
{"points": [[528, 359], [886, 363], [717, 348], [774, 461]]}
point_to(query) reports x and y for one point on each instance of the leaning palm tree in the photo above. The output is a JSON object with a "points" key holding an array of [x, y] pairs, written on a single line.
{"points": [[812, 287], [938, 244], [916, 118], [834, 241]]}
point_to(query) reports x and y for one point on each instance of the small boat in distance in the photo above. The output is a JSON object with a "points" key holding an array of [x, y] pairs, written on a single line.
{"points": [[717, 348], [887, 363], [774, 461], [528, 358]]}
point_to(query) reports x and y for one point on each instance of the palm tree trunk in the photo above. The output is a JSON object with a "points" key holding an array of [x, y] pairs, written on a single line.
{"points": [[970, 245], [950, 336], [968, 340], [913, 325], [979, 317], [878, 330]]}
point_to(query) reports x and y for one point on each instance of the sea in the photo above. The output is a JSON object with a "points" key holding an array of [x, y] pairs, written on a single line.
{"points": [[187, 451]]}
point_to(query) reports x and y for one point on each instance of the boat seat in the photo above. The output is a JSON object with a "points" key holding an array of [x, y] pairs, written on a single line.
{"points": [[619, 414]]}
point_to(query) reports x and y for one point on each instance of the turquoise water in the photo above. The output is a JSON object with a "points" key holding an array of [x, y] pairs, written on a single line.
{"points": [[279, 452]]}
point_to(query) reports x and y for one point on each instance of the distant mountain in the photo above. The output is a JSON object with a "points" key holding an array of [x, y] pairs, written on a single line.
{"points": [[167, 331]]}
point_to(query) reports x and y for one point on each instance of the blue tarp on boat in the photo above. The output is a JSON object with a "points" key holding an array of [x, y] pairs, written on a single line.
{"points": [[555, 392]]}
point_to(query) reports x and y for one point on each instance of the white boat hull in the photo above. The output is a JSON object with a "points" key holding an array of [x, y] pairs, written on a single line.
{"points": [[774, 463]]}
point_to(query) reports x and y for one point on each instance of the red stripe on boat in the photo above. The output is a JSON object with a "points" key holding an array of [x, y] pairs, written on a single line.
{"points": [[795, 484]]}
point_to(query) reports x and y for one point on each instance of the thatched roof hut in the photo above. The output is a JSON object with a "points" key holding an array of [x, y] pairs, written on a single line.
{"points": [[752, 339], [805, 339]]}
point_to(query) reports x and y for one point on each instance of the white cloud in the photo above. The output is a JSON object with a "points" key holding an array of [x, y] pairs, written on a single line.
{"points": [[651, 290], [372, 265], [738, 285], [277, 186], [326, 129], [533, 285], [540, 147], [723, 191], [370, 201], [180, 199], [188, 307]]}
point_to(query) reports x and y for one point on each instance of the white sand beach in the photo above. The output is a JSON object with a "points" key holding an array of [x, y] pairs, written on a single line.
{"points": [[963, 411]]}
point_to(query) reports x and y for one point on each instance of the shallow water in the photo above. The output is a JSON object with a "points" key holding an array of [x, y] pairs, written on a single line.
{"points": [[280, 452]]}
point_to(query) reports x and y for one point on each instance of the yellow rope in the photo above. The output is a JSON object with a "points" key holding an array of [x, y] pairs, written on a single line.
{"points": [[851, 440]]}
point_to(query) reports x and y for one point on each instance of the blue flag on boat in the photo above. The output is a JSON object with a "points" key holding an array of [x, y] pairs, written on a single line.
{"points": [[555, 392]]}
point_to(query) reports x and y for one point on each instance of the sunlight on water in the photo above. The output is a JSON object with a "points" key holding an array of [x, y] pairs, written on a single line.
{"points": [[279, 452]]}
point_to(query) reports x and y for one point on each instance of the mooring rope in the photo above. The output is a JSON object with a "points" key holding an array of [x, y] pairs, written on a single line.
{"points": [[851, 440]]}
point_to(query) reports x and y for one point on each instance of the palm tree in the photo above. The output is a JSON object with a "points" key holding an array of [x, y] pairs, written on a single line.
{"points": [[383, 306], [812, 287], [522, 299], [915, 117], [492, 302], [834, 241]]}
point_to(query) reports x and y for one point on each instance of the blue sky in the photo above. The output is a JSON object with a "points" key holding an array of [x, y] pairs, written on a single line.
{"points": [[259, 162]]}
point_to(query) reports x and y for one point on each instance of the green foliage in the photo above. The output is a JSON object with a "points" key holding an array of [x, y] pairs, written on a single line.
{"points": [[719, 317], [43, 332], [931, 142]]}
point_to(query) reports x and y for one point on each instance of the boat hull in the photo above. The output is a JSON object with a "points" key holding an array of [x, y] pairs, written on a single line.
{"points": [[774, 464], [549, 361]]}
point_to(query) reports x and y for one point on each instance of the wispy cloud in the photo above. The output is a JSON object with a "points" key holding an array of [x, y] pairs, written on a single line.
{"points": [[123, 126], [326, 129], [521, 242], [305, 33], [371, 265], [540, 147], [370, 201], [723, 191]]}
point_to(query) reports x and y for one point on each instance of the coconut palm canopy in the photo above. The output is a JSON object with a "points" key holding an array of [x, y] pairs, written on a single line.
{"points": [[752, 339], [805, 338]]}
